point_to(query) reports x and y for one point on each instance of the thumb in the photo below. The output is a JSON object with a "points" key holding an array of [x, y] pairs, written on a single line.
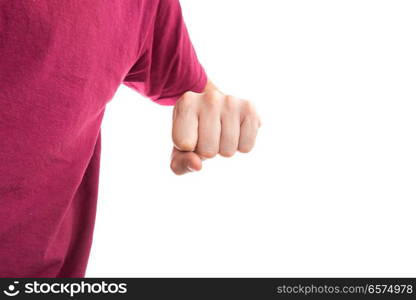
{"points": [[185, 162]]}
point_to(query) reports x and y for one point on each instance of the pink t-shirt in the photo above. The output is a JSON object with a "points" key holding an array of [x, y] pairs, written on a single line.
{"points": [[61, 62]]}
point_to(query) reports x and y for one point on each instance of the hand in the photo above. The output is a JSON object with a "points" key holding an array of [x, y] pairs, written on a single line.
{"points": [[208, 124]]}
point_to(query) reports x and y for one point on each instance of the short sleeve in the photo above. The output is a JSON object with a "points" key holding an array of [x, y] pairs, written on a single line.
{"points": [[167, 66]]}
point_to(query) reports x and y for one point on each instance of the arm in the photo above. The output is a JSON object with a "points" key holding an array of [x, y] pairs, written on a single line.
{"points": [[208, 124]]}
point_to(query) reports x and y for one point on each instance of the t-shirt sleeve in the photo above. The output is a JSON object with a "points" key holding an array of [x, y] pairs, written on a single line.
{"points": [[167, 66]]}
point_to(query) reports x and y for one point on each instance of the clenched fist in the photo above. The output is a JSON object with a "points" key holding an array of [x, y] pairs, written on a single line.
{"points": [[208, 124]]}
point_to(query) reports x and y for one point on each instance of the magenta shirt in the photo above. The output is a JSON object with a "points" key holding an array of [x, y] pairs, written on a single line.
{"points": [[61, 62]]}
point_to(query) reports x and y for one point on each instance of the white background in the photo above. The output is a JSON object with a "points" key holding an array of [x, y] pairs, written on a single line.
{"points": [[330, 188]]}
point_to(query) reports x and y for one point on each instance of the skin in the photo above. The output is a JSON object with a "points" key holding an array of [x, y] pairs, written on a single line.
{"points": [[211, 123]]}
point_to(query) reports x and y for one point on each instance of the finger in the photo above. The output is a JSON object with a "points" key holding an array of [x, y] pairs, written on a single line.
{"points": [[185, 162], [248, 133], [209, 132], [185, 125], [230, 133]]}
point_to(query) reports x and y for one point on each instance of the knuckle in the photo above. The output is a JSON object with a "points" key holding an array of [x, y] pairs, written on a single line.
{"points": [[213, 93], [248, 107], [230, 102], [186, 99], [189, 94], [213, 99], [212, 102]]}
